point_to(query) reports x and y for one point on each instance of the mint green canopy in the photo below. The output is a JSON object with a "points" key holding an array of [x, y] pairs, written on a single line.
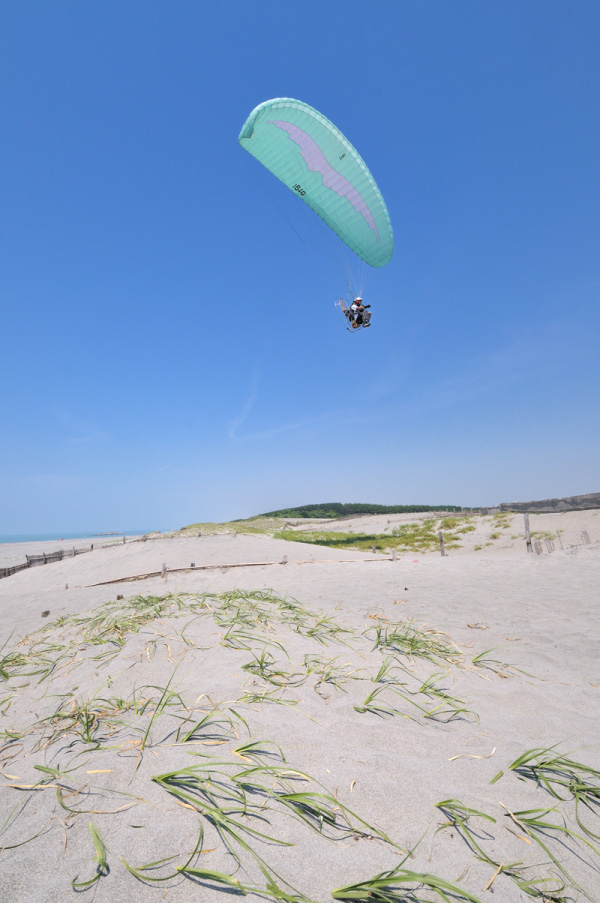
{"points": [[309, 155]]}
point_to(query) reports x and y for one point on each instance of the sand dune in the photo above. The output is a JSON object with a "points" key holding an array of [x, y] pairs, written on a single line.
{"points": [[339, 684]]}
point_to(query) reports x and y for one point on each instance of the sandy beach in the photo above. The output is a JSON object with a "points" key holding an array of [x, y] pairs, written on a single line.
{"points": [[202, 716]]}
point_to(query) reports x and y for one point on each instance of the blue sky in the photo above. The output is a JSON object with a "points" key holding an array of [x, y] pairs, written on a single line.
{"points": [[170, 349]]}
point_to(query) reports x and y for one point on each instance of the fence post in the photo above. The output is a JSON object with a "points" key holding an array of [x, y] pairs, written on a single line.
{"points": [[441, 536], [527, 533]]}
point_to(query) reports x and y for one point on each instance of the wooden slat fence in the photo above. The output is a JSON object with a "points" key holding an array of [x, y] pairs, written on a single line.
{"points": [[44, 559]]}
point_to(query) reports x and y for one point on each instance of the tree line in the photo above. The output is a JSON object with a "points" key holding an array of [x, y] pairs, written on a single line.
{"points": [[339, 509]]}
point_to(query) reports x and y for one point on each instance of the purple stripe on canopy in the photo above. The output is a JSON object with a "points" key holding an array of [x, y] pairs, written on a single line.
{"points": [[317, 162]]}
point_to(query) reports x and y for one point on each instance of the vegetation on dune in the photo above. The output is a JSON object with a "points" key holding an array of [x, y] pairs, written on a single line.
{"points": [[418, 536], [256, 525], [460, 525], [249, 802]]}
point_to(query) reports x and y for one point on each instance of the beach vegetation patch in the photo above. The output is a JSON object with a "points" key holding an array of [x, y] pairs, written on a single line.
{"points": [[147, 872], [250, 804], [501, 668], [240, 805], [414, 536], [454, 523], [564, 779], [414, 642], [329, 671], [459, 816], [265, 665], [418, 536], [445, 708], [542, 831], [502, 519], [401, 884]]}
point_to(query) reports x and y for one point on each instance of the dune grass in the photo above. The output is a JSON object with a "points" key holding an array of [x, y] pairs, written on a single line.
{"points": [[101, 861], [400, 884], [251, 801], [459, 816], [415, 536], [240, 804], [564, 779], [413, 642], [418, 539]]}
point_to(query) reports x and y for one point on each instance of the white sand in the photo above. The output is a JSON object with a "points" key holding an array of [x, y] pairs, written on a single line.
{"points": [[541, 612]]}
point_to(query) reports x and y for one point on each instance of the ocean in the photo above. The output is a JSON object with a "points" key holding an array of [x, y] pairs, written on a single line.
{"points": [[69, 535]]}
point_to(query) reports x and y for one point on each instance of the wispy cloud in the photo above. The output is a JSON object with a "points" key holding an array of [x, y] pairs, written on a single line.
{"points": [[330, 418], [397, 390]]}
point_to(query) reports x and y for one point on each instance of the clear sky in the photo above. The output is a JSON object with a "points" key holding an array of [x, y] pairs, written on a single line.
{"points": [[170, 349]]}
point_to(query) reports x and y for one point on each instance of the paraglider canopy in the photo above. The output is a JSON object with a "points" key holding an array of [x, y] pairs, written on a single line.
{"points": [[312, 157]]}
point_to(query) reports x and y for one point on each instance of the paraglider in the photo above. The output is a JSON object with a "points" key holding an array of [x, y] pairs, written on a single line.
{"points": [[317, 162], [356, 315]]}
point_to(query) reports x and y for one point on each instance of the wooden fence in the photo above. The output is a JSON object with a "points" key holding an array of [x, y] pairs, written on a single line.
{"points": [[44, 559]]}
